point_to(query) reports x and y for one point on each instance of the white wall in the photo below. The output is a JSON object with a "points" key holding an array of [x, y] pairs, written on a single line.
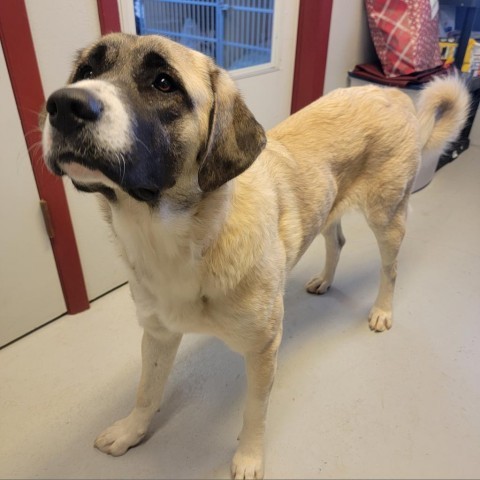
{"points": [[349, 42], [59, 29]]}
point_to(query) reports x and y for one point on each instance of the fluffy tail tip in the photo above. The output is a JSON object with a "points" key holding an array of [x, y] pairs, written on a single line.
{"points": [[443, 109]]}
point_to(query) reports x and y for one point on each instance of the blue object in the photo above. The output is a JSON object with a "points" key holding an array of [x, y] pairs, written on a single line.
{"points": [[236, 33]]}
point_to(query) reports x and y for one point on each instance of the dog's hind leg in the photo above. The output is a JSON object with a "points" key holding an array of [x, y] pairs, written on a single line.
{"points": [[158, 353], [389, 234], [334, 242]]}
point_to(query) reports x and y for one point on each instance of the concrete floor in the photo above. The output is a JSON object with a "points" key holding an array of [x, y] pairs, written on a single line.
{"points": [[347, 403]]}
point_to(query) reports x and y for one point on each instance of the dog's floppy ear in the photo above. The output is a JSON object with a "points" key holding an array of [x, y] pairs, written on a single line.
{"points": [[235, 137]]}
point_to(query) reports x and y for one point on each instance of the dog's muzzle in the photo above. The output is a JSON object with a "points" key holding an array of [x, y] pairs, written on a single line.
{"points": [[89, 137], [71, 109]]}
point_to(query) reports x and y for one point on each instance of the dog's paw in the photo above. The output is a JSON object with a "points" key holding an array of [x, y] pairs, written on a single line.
{"points": [[318, 285], [247, 466], [118, 438], [379, 320]]}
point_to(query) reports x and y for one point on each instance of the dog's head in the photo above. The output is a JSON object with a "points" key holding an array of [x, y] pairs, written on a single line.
{"points": [[144, 114]]}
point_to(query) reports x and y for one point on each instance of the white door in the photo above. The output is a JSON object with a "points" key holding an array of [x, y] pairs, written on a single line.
{"points": [[30, 291], [258, 49]]}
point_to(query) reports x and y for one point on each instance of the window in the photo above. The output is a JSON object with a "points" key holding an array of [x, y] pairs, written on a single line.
{"points": [[236, 33]]}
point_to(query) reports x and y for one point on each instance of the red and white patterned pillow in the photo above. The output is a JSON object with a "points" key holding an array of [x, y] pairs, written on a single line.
{"points": [[405, 34]]}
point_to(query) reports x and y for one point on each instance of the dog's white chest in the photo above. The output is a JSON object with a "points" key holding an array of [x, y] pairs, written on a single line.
{"points": [[165, 269]]}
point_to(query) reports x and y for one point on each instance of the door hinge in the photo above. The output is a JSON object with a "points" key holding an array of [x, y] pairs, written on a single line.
{"points": [[47, 219]]}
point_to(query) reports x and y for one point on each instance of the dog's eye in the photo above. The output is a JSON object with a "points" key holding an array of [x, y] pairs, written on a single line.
{"points": [[164, 83], [85, 72]]}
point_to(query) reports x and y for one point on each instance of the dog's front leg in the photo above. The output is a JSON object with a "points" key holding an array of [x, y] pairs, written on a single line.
{"points": [[248, 461], [158, 353]]}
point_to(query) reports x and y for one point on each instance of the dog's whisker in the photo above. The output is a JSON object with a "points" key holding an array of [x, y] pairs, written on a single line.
{"points": [[141, 143], [124, 167], [121, 165], [31, 111], [35, 147], [33, 131]]}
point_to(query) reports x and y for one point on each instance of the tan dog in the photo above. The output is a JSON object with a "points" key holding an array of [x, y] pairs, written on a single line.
{"points": [[210, 214]]}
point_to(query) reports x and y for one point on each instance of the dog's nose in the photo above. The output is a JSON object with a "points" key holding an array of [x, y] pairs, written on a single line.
{"points": [[70, 109]]}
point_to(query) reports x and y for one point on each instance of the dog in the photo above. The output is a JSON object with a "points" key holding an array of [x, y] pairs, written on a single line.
{"points": [[211, 213]]}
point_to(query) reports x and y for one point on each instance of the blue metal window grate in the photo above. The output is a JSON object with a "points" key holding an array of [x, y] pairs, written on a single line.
{"points": [[236, 33]]}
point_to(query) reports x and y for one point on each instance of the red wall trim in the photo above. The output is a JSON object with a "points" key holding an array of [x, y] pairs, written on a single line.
{"points": [[109, 16], [311, 54], [22, 66]]}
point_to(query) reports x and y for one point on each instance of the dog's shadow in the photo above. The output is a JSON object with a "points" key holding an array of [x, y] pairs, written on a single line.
{"points": [[306, 315]]}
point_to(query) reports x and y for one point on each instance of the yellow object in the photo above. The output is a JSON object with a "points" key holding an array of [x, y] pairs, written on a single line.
{"points": [[448, 49], [468, 56]]}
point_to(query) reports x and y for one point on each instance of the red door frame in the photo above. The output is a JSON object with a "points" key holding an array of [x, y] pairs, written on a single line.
{"points": [[314, 19], [22, 66], [109, 16]]}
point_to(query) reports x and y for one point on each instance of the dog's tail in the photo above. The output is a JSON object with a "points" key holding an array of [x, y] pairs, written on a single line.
{"points": [[442, 111]]}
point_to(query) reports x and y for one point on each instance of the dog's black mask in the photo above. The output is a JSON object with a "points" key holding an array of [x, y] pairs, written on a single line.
{"points": [[137, 81]]}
